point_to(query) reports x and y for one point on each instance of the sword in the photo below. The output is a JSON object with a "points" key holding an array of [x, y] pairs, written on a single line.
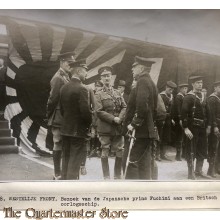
{"points": [[132, 139]]}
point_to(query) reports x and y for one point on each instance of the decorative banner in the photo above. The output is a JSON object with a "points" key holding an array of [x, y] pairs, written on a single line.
{"points": [[33, 51]]}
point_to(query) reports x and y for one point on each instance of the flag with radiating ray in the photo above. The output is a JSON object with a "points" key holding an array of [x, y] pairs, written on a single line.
{"points": [[33, 52]]}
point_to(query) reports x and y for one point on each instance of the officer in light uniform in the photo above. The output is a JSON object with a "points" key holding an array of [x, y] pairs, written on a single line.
{"points": [[110, 109]]}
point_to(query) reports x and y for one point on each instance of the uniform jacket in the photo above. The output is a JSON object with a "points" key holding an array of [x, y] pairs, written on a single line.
{"points": [[109, 104], [168, 102], [214, 107], [177, 107], [142, 107], [53, 106], [75, 109], [201, 110]]}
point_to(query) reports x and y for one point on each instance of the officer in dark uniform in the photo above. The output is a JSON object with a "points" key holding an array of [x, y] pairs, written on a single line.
{"points": [[140, 116], [196, 127], [60, 78], [121, 89], [165, 130], [77, 118], [214, 137], [110, 111], [177, 108]]}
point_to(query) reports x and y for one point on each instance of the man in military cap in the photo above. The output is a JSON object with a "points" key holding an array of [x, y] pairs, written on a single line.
{"points": [[214, 137], [121, 88], [165, 129], [196, 127], [140, 115], [77, 117], [60, 78], [177, 108], [110, 111]]}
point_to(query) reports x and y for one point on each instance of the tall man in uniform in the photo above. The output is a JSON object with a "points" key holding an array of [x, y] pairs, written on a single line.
{"points": [[110, 111], [195, 124], [60, 78], [177, 108], [165, 130], [77, 118], [214, 137], [140, 115]]}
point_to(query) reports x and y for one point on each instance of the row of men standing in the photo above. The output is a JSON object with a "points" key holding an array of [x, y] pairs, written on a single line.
{"points": [[70, 116]]}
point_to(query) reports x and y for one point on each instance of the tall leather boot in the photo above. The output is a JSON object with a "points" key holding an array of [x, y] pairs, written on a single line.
{"points": [[117, 168], [191, 173], [154, 171], [178, 152], [211, 170], [158, 152], [105, 168], [198, 170], [57, 161]]}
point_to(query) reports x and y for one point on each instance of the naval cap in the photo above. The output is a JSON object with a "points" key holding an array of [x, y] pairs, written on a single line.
{"points": [[79, 63], [171, 84], [142, 61], [183, 85], [68, 56]]}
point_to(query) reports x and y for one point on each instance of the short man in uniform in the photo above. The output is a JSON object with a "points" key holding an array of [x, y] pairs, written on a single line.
{"points": [[121, 89], [214, 137], [110, 111], [77, 118], [195, 124], [60, 78], [165, 130], [177, 108], [140, 115]]}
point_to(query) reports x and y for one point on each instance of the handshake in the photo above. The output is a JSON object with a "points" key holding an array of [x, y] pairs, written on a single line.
{"points": [[117, 120]]}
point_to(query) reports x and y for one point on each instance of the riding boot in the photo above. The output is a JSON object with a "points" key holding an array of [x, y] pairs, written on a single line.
{"points": [[57, 160], [198, 170], [154, 171], [191, 173], [158, 153], [211, 170], [105, 168], [117, 168]]}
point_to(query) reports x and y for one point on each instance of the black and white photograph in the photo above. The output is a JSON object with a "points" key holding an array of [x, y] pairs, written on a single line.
{"points": [[109, 95]]}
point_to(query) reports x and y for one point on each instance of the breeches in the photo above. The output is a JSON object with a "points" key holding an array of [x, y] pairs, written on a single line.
{"points": [[115, 142]]}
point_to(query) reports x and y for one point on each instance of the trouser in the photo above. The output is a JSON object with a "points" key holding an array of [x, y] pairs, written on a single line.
{"points": [[213, 146], [154, 168], [199, 142], [140, 162], [178, 131], [74, 150]]}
